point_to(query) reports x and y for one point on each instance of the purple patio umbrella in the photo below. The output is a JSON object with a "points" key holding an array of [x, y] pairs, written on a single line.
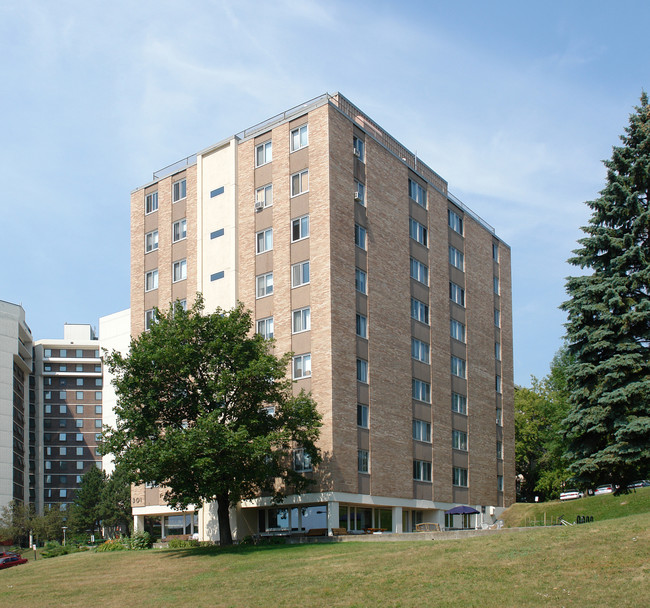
{"points": [[461, 509]]}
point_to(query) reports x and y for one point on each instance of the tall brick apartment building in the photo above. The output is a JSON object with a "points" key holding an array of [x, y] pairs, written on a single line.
{"points": [[394, 297], [69, 389]]}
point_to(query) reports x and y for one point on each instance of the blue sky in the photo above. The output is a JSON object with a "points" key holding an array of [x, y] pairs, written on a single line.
{"points": [[515, 104]]}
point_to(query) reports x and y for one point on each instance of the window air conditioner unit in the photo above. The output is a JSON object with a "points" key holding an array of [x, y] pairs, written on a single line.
{"points": [[492, 511], [357, 197], [259, 205], [356, 152]]}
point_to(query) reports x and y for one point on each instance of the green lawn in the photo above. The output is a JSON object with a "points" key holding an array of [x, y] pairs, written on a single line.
{"points": [[606, 563], [600, 508]]}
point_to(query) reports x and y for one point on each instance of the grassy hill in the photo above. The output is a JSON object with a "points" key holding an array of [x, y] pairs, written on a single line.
{"points": [[600, 508], [600, 564]]}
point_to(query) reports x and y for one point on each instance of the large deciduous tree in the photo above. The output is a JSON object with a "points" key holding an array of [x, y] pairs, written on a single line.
{"points": [[206, 409], [608, 328], [539, 448]]}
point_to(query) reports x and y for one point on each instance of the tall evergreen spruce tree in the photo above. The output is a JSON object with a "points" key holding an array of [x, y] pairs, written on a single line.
{"points": [[608, 330]]}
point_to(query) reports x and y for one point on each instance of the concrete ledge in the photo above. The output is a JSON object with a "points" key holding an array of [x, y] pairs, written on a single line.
{"points": [[409, 536]]}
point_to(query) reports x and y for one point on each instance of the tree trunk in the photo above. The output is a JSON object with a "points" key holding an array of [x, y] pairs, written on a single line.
{"points": [[223, 510]]}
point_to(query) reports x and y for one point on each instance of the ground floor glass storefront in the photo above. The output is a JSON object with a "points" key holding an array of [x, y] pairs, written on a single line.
{"points": [[181, 524]]}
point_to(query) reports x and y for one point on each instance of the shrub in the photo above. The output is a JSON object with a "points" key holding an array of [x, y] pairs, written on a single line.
{"points": [[55, 549], [137, 542], [113, 544], [177, 543]]}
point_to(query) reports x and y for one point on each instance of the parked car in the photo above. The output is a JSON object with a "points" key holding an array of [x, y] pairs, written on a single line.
{"points": [[606, 489], [570, 495], [642, 483], [14, 560]]}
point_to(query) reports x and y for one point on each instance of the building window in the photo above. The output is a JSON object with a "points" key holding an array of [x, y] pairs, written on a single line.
{"points": [[458, 403], [98, 395], [63, 395], [63, 451], [299, 138], [460, 477], [98, 409], [362, 415], [459, 440], [80, 381], [264, 196], [98, 423], [151, 203], [80, 465], [179, 190], [421, 470], [419, 350], [496, 285], [79, 409], [497, 383], [456, 294], [80, 395], [265, 328], [500, 483], [495, 252], [456, 258], [48, 408], [151, 280], [362, 461], [79, 437], [301, 366], [179, 230], [149, 318], [180, 271], [300, 274], [151, 241], [300, 182], [497, 317], [499, 450], [301, 320], [418, 193], [63, 352], [455, 221], [48, 464], [264, 240], [362, 326], [78, 367], [299, 228], [419, 271], [263, 154], [264, 285], [362, 371], [419, 311], [458, 367], [360, 193], [360, 235], [359, 149], [63, 437], [418, 232], [301, 461], [78, 479], [457, 330], [421, 430], [360, 280], [497, 351], [421, 390], [79, 424]]}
